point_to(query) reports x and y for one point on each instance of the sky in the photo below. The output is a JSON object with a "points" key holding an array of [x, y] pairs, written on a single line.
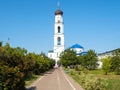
{"points": [[29, 24]]}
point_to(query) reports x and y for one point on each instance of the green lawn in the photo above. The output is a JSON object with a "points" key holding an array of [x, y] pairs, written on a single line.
{"points": [[31, 80], [111, 81], [113, 84]]}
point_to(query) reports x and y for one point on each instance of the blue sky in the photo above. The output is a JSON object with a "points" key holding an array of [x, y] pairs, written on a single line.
{"points": [[94, 24]]}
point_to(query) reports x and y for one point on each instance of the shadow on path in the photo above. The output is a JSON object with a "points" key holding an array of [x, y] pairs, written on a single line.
{"points": [[31, 88], [43, 74], [48, 72]]}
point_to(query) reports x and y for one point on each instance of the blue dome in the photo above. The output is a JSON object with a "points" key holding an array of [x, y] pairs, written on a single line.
{"points": [[76, 46]]}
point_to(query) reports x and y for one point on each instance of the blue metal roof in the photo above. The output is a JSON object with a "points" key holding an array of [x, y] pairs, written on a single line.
{"points": [[50, 51], [84, 53], [76, 46]]}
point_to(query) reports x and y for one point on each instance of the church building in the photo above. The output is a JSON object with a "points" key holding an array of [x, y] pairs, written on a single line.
{"points": [[78, 49], [58, 36]]}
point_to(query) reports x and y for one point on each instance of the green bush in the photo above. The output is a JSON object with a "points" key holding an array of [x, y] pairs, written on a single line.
{"points": [[94, 84], [88, 82], [117, 71], [11, 78], [16, 66]]}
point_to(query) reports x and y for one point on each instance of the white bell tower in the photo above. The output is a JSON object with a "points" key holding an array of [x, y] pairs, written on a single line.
{"points": [[58, 33], [58, 36]]}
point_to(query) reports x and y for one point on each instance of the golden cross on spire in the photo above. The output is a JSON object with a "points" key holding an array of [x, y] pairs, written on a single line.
{"points": [[58, 4]]}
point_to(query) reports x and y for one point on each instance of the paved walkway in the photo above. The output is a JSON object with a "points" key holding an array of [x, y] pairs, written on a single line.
{"points": [[55, 79]]}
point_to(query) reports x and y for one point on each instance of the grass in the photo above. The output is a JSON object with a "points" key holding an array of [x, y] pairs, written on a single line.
{"points": [[113, 84], [112, 81], [31, 80]]}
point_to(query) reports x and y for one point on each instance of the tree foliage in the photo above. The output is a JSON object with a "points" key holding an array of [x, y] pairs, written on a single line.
{"points": [[106, 64], [115, 61], [68, 57], [89, 60], [16, 65]]}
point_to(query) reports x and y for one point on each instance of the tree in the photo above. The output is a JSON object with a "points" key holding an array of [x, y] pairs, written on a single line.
{"points": [[115, 62], [11, 75], [81, 60], [106, 64], [16, 65], [68, 57], [0, 44], [90, 60]]}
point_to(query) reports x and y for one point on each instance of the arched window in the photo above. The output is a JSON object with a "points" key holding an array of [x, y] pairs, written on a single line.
{"points": [[58, 41], [58, 29]]}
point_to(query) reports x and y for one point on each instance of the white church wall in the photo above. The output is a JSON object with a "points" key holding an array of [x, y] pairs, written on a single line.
{"points": [[79, 50], [99, 64]]}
